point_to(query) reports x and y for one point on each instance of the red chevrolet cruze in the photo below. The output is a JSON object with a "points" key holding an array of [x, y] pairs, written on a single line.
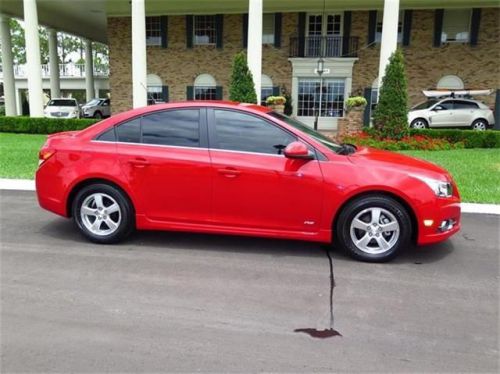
{"points": [[221, 167]]}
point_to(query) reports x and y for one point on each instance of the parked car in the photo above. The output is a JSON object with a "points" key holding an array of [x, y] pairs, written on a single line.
{"points": [[97, 108], [451, 112], [62, 108], [221, 167]]}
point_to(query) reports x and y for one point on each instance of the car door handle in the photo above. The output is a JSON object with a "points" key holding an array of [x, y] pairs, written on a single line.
{"points": [[229, 172], [139, 162]]}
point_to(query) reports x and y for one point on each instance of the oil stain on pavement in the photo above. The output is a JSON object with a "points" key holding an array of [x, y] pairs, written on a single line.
{"points": [[330, 332]]}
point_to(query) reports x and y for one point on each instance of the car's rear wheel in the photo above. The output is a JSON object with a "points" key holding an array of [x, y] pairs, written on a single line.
{"points": [[479, 125], [373, 228], [103, 213], [419, 124]]}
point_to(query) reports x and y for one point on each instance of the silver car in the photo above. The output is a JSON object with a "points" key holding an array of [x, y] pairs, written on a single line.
{"points": [[451, 112], [96, 108]]}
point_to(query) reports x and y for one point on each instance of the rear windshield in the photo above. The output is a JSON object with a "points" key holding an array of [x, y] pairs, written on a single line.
{"points": [[62, 102]]}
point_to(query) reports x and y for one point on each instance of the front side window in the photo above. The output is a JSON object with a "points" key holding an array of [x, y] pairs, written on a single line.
{"points": [[174, 128], [204, 30], [129, 132], [242, 132], [456, 25], [332, 97], [380, 19], [268, 29], [153, 31], [446, 105]]}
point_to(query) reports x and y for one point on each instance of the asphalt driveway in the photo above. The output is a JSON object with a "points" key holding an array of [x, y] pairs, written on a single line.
{"points": [[184, 302]]}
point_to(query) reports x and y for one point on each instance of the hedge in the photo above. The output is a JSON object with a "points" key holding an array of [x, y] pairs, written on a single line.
{"points": [[469, 138], [36, 125]]}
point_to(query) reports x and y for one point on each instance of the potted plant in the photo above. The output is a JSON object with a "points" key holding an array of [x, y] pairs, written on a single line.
{"points": [[356, 103], [277, 103]]}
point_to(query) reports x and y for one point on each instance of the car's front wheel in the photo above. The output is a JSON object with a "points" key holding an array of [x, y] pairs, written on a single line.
{"points": [[98, 115], [373, 228], [103, 213], [419, 124], [479, 125]]}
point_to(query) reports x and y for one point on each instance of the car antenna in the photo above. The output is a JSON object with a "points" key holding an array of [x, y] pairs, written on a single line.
{"points": [[148, 93]]}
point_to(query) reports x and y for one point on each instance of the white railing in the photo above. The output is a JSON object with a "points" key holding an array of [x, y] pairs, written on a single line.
{"points": [[65, 70]]}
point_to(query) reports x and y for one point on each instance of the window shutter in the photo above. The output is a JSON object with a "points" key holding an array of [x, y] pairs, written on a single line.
{"points": [[368, 108], [276, 91], [277, 29], [164, 93], [189, 31], [438, 26], [245, 30], [164, 31], [218, 92], [407, 27], [347, 33], [302, 33], [474, 26], [219, 23], [190, 93], [372, 26]]}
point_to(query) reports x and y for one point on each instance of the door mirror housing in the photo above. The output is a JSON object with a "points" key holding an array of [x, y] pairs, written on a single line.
{"points": [[298, 150], [437, 108]]}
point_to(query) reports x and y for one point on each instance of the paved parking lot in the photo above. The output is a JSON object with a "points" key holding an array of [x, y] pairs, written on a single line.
{"points": [[186, 302]]}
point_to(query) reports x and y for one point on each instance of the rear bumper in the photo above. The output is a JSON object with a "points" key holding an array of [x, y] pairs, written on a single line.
{"points": [[443, 210]]}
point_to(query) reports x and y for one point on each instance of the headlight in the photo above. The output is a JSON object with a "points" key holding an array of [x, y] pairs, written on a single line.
{"points": [[440, 188]]}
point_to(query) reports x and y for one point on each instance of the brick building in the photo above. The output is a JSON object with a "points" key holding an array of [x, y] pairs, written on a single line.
{"points": [[183, 50]]}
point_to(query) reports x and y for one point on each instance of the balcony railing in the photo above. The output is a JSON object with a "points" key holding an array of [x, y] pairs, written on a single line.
{"points": [[326, 46], [65, 70]]}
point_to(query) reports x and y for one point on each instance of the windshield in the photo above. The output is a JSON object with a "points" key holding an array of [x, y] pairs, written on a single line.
{"points": [[93, 102], [62, 102], [306, 129], [425, 105]]}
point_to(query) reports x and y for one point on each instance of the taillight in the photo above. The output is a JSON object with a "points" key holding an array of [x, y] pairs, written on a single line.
{"points": [[45, 154]]}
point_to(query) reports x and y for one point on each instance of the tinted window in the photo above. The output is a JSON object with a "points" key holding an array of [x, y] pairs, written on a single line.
{"points": [[62, 102], [129, 132], [446, 105], [465, 105], [243, 132], [173, 127], [108, 136]]}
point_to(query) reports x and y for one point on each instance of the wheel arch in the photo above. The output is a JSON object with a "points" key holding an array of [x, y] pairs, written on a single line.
{"points": [[398, 198], [89, 181], [420, 118]]}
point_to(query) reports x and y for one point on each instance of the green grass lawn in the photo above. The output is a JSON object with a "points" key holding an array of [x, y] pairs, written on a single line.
{"points": [[476, 171], [19, 155]]}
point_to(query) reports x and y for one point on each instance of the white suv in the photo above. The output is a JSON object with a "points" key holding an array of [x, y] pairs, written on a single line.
{"points": [[97, 108], [451, 112], [62, 108]]}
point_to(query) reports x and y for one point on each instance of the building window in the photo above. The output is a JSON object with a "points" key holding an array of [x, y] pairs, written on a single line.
{"points": [[204, 30], [205, 87], [456, 25], [268, 28], [153, 31], [266, 88], [450, 82], [155, 89], [378, 34], [332, 97]]}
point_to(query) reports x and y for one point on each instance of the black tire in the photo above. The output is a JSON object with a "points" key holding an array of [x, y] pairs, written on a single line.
{"points": [[126, 221], [479, 125], [415, 124], [98, 115], [391, 210]]}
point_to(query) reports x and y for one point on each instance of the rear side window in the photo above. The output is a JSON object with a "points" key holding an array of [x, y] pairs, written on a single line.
{"points": [[174, 127], [129, 132], [465, 105], [243, 132]]}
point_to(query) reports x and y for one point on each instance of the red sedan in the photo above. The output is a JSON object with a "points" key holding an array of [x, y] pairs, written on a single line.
{"points": [[220, 167]]}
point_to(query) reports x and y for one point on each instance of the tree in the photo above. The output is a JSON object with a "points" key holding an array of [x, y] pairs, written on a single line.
{"points": [[241, 88], [391, 115], [19, 44]]}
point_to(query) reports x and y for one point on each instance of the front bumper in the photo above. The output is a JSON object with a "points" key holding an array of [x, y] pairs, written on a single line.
{"points": [[444, 214]]}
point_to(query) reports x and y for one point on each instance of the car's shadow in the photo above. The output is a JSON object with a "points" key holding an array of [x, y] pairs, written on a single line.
{"points": [[64, 230]]}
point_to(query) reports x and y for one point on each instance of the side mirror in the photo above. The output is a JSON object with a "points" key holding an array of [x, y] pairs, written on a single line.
{"points": [[298, 150], [437, 108]]}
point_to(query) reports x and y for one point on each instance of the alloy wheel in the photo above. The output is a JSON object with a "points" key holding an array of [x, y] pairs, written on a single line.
{"points": [[100, 214]]}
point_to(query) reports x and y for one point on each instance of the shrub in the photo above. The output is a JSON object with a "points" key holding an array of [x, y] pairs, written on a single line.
{"points": [[355, 101], [2, 110], [470, 138], [390, 118], [241, 88], [275, 100], [35, 125]]}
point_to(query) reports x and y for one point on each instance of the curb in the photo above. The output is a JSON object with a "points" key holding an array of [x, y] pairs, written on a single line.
{"points": [[29, 185]]}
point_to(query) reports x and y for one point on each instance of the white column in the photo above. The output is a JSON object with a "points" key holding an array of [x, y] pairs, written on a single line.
{"points": [[8, 67], [255, 43], [139, 67], [33, 58], [389, 41], [55, 84], [89, 71]]}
